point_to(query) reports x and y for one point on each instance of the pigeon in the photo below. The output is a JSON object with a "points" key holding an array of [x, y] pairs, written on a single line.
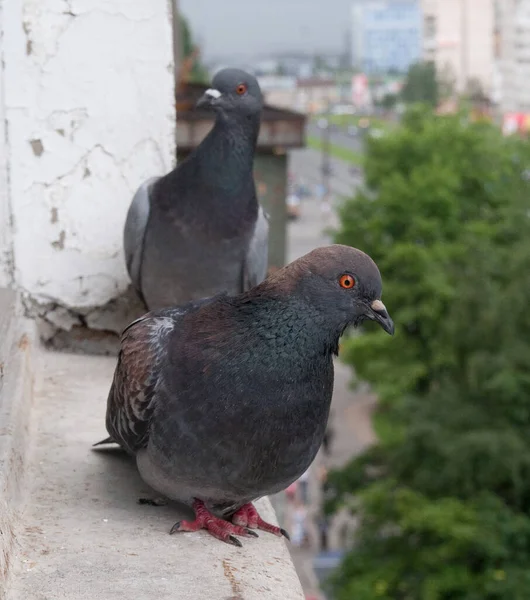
{"points": [[226, 399], [200, 230]]}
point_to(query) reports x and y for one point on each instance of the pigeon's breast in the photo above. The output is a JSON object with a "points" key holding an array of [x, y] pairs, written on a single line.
{"points": [[180, 265], [239, 435]]}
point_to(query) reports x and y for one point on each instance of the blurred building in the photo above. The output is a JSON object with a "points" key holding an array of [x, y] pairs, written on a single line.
{"points": [[316, 94], [514, 54], [306, 95], [286, 64], [459, 36], [386, 35]]}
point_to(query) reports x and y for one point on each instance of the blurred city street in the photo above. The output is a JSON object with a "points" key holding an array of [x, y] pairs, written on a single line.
{"points": [[305, 167], [339, 137]]}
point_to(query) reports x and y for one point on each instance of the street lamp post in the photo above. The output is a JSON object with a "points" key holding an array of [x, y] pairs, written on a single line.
{"points": [[325, 166], [325, 156]]}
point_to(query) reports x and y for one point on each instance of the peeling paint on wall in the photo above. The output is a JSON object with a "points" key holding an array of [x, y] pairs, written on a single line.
{"points": [[59, 243], [87, 122], [37, 147], [94, 329]]}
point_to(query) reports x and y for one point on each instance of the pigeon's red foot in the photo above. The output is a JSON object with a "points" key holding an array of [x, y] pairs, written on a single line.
{"points": [[219, 528], [247, 516]]}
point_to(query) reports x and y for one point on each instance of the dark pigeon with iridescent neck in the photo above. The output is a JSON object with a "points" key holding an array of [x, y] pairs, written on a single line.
{"points": [[226, 399], [199, 230]]}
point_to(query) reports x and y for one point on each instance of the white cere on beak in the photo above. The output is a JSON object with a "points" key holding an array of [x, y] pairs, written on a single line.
{"points": [[213, 93], [378, 306]]}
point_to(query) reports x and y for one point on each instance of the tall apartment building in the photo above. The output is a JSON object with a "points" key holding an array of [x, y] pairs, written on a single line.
{"points": [[514, 54], [385, 35], [459, 36]]}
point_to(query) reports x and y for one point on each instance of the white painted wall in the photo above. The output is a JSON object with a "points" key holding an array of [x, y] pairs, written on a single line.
{"points": [[5, 228], [89, 107]]}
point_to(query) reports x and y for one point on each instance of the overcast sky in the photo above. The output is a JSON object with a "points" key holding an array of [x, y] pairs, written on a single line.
{"points": [[235, 28]]}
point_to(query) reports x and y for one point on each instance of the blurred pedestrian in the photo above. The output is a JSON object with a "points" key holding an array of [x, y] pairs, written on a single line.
{"points": [[328, 438], [320, 191], [303, 482], [293, 206], [298, 526], [323, 528], [290, 492]]}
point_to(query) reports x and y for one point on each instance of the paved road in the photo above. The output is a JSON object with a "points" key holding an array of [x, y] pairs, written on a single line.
{"points": [[338, 137], [305, 165], [350, 413]]}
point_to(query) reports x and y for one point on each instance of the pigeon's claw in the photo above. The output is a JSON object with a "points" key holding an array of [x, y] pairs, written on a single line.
{"points": [[247, 516], [218, 528], [234, 541]]}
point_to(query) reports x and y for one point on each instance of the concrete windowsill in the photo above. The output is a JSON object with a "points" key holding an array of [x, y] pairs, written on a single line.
{"points": [[83, 536], [17, 341]]}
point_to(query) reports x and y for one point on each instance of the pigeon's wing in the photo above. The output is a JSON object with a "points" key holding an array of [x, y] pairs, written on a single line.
{"points": [[132, 394], [134, 231], [257, 258], [142, 358]]}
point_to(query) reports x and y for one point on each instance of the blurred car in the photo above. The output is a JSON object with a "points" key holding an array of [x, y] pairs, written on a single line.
{"points": [[353, 130], [293, 207], [364, 123], [343, 109], [302, 191], [376, 133]]}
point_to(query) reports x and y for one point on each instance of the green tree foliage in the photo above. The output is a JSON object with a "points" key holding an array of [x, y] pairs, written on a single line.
{"points": [[444, 498], [388, 101], [446, 82], [421, 84]]}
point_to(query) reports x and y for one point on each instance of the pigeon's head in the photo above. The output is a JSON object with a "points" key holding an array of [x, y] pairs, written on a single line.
{"points": [[342, 283], [233, 92]]}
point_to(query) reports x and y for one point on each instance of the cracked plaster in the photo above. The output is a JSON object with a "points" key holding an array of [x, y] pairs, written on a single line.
{"points": [[87, 104]]}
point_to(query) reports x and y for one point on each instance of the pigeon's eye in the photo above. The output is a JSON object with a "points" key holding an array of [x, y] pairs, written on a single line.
{"points": [[241, 89], [347, 282]]}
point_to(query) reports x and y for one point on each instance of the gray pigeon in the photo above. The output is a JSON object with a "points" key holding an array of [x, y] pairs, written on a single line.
{"points": [[199, 230], [226, 399]]}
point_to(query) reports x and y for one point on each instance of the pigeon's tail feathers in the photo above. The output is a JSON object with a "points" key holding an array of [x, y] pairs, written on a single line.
{"points": [[108, 440], [134, 231]]}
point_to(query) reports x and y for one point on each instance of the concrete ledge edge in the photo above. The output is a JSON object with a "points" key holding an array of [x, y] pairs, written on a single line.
{"points": [[16, 396]]}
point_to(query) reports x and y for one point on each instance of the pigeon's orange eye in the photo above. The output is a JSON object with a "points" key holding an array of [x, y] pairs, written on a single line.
{"points": [[241, 89], [347, 282]]}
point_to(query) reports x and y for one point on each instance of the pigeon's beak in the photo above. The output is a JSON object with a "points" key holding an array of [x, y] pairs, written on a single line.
{"points": [[209, 98], [379, 313]]}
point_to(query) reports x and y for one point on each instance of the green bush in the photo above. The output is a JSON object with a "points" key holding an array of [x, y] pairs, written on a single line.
{"points": [[444, 498]]}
